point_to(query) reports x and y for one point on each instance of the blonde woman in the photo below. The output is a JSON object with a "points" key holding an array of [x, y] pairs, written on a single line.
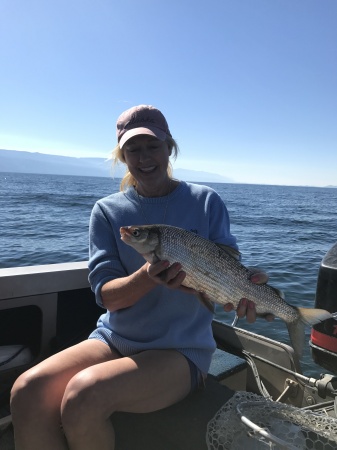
{"points": [[153, 343]]}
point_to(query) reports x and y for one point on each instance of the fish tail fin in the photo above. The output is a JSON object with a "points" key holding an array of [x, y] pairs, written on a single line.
{"points": [[296, 329], [311, 316]]}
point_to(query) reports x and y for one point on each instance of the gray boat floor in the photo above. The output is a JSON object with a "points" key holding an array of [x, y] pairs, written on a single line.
{"points": [[180, 427]]}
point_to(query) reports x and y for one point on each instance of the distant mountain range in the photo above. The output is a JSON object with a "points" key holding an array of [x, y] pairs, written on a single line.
{"points": [[28, 162]]}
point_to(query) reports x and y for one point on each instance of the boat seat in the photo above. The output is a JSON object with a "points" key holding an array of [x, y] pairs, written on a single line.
{"points": [[225, 364], [182, 426], [14, 356]]}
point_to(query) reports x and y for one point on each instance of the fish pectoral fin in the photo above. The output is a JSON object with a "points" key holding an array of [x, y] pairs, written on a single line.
{"points": [[150, 257], [231, 251], [205, 301]]}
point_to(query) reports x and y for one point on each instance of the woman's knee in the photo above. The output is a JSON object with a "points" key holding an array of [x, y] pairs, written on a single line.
{"points": [[80, 405], [27, 391]]}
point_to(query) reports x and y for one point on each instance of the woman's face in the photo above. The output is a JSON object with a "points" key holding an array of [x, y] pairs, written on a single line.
{"points": [[147, 159]]}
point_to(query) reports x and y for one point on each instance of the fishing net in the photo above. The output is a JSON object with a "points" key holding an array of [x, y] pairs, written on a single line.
{"points": [[250, 421]]}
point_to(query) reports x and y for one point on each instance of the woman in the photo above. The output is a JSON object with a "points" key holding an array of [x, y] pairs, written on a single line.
{"points": [[154, 344]]}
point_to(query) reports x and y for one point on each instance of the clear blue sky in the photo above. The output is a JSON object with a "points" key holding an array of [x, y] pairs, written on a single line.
{"points": [[249, 87]]}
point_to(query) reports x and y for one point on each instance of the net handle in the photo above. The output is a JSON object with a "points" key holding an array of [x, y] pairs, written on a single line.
{"points": [[264, 432]]}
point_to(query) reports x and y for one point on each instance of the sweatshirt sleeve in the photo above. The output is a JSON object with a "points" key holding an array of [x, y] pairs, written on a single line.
{"points": [[104, 259], [219, 225]]}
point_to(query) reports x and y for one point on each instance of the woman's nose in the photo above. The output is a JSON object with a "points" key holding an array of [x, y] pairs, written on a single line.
{"points": [[144, 154]]}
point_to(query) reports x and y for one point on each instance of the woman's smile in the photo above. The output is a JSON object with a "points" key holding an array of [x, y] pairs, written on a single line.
{"points": [[147, 169]]}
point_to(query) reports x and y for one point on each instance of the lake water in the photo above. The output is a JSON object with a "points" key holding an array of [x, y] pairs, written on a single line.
{"points": [[284, 230]]}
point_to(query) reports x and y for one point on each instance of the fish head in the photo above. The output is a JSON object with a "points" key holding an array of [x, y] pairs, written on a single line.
{"points": [[144, 239]]}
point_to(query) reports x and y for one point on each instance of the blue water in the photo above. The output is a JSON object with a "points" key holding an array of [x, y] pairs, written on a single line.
{"points": [[284, 230]]}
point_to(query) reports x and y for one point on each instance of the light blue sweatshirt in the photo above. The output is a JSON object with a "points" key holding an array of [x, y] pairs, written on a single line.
{"points": [[163, 318]]}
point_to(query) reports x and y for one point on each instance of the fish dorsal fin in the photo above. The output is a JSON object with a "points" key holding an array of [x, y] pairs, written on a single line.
{"points": [[230, 250], [278, 291]]}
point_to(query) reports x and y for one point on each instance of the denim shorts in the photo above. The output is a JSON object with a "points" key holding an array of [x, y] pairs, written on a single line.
{"points": [[197, 377]]}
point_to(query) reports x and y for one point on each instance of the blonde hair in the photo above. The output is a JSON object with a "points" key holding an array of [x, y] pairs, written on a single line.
{"points": [[128, 180]]}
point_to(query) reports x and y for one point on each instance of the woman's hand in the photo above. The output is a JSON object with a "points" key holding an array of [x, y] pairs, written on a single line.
{"points": [[169, 276], [246, 307]]}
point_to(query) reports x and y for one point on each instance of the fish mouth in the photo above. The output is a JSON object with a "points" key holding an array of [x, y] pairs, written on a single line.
{"points": [[125, 233]]}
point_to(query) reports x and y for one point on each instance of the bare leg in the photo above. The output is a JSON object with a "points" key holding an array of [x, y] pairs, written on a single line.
{"points": [[37, 395], [145, 382]]}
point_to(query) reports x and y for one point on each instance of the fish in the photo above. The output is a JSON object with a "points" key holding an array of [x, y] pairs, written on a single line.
{"points": [[215, 271]]}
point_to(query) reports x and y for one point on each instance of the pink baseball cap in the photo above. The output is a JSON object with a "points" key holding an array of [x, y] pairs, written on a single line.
{"points": [[142, 119]]}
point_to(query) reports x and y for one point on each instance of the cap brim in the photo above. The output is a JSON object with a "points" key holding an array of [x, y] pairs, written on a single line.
{"points": [[156, 132]]}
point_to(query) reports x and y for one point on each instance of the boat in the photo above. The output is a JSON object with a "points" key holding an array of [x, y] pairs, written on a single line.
{"points": [[249, 375]]}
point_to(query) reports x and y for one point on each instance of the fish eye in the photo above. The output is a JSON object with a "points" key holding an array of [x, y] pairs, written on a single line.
{"points": [[136, 232]]}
